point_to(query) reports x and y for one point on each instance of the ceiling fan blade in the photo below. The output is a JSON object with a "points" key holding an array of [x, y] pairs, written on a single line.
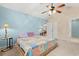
{"points": [[44, 12], [58, 11], [62, 5]]}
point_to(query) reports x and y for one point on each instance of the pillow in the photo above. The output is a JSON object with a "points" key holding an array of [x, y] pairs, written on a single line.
{"points": [[23, 35], [30, 34]]}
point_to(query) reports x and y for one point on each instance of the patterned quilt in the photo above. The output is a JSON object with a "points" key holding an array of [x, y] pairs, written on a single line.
{"points": [[35, 45]]}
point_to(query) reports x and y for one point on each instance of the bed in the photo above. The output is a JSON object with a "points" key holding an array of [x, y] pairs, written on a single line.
{"points": [[35, 46]]}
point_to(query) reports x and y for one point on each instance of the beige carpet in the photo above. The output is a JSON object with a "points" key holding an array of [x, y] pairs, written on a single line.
{"points": [[10, 52], [65, 48]]}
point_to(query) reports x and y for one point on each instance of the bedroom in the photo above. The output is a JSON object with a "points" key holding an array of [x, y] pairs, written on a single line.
{"points": [[24, 24], [18, 26]]}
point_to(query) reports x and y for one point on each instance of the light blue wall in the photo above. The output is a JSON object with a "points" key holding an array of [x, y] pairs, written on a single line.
{"points": [[19, 22]]}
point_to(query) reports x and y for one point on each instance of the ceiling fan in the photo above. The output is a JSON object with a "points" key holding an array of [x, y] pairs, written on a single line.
{"points": [[54, 9]]}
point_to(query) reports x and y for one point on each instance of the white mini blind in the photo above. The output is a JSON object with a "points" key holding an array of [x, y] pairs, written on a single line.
{"points": [[75, 28]]}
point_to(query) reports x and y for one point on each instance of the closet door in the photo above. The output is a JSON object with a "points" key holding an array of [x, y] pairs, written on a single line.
{"points": [[75, 28]]}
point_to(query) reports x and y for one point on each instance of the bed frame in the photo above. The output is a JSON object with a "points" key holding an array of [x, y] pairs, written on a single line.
{"points": [[21, 51]]}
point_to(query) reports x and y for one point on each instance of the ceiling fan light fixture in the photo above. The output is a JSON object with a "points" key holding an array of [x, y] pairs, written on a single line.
{"points": [[54, 11]]}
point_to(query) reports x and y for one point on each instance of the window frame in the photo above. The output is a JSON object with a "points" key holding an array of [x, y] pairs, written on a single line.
{"points": [[70, 26]]}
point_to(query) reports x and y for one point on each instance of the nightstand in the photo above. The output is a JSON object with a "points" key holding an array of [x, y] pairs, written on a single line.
{"points": [[10, 43]]}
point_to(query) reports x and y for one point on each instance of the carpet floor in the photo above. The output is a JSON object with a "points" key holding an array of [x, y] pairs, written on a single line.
{"points": [[65, 48], [10, 52]]}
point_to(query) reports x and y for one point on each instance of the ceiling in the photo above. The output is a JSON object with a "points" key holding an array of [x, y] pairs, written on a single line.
{"points": [[34, 9]]}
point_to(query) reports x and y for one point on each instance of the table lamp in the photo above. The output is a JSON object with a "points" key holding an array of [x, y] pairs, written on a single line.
{"points": [[5, 28]]}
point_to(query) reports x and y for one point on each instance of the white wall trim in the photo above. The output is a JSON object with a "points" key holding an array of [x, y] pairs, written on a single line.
{"points": [[70, 32], [55, 30]]}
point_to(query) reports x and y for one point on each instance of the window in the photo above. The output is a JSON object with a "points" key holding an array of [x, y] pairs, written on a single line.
{"points": [[75, 28]]}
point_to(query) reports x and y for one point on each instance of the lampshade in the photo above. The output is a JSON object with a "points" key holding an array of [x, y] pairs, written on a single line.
{"points": [[5, 25]]}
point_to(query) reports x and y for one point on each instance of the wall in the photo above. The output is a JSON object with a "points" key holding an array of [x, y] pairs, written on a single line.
{"points": [[62, 20], [18, 23]]}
